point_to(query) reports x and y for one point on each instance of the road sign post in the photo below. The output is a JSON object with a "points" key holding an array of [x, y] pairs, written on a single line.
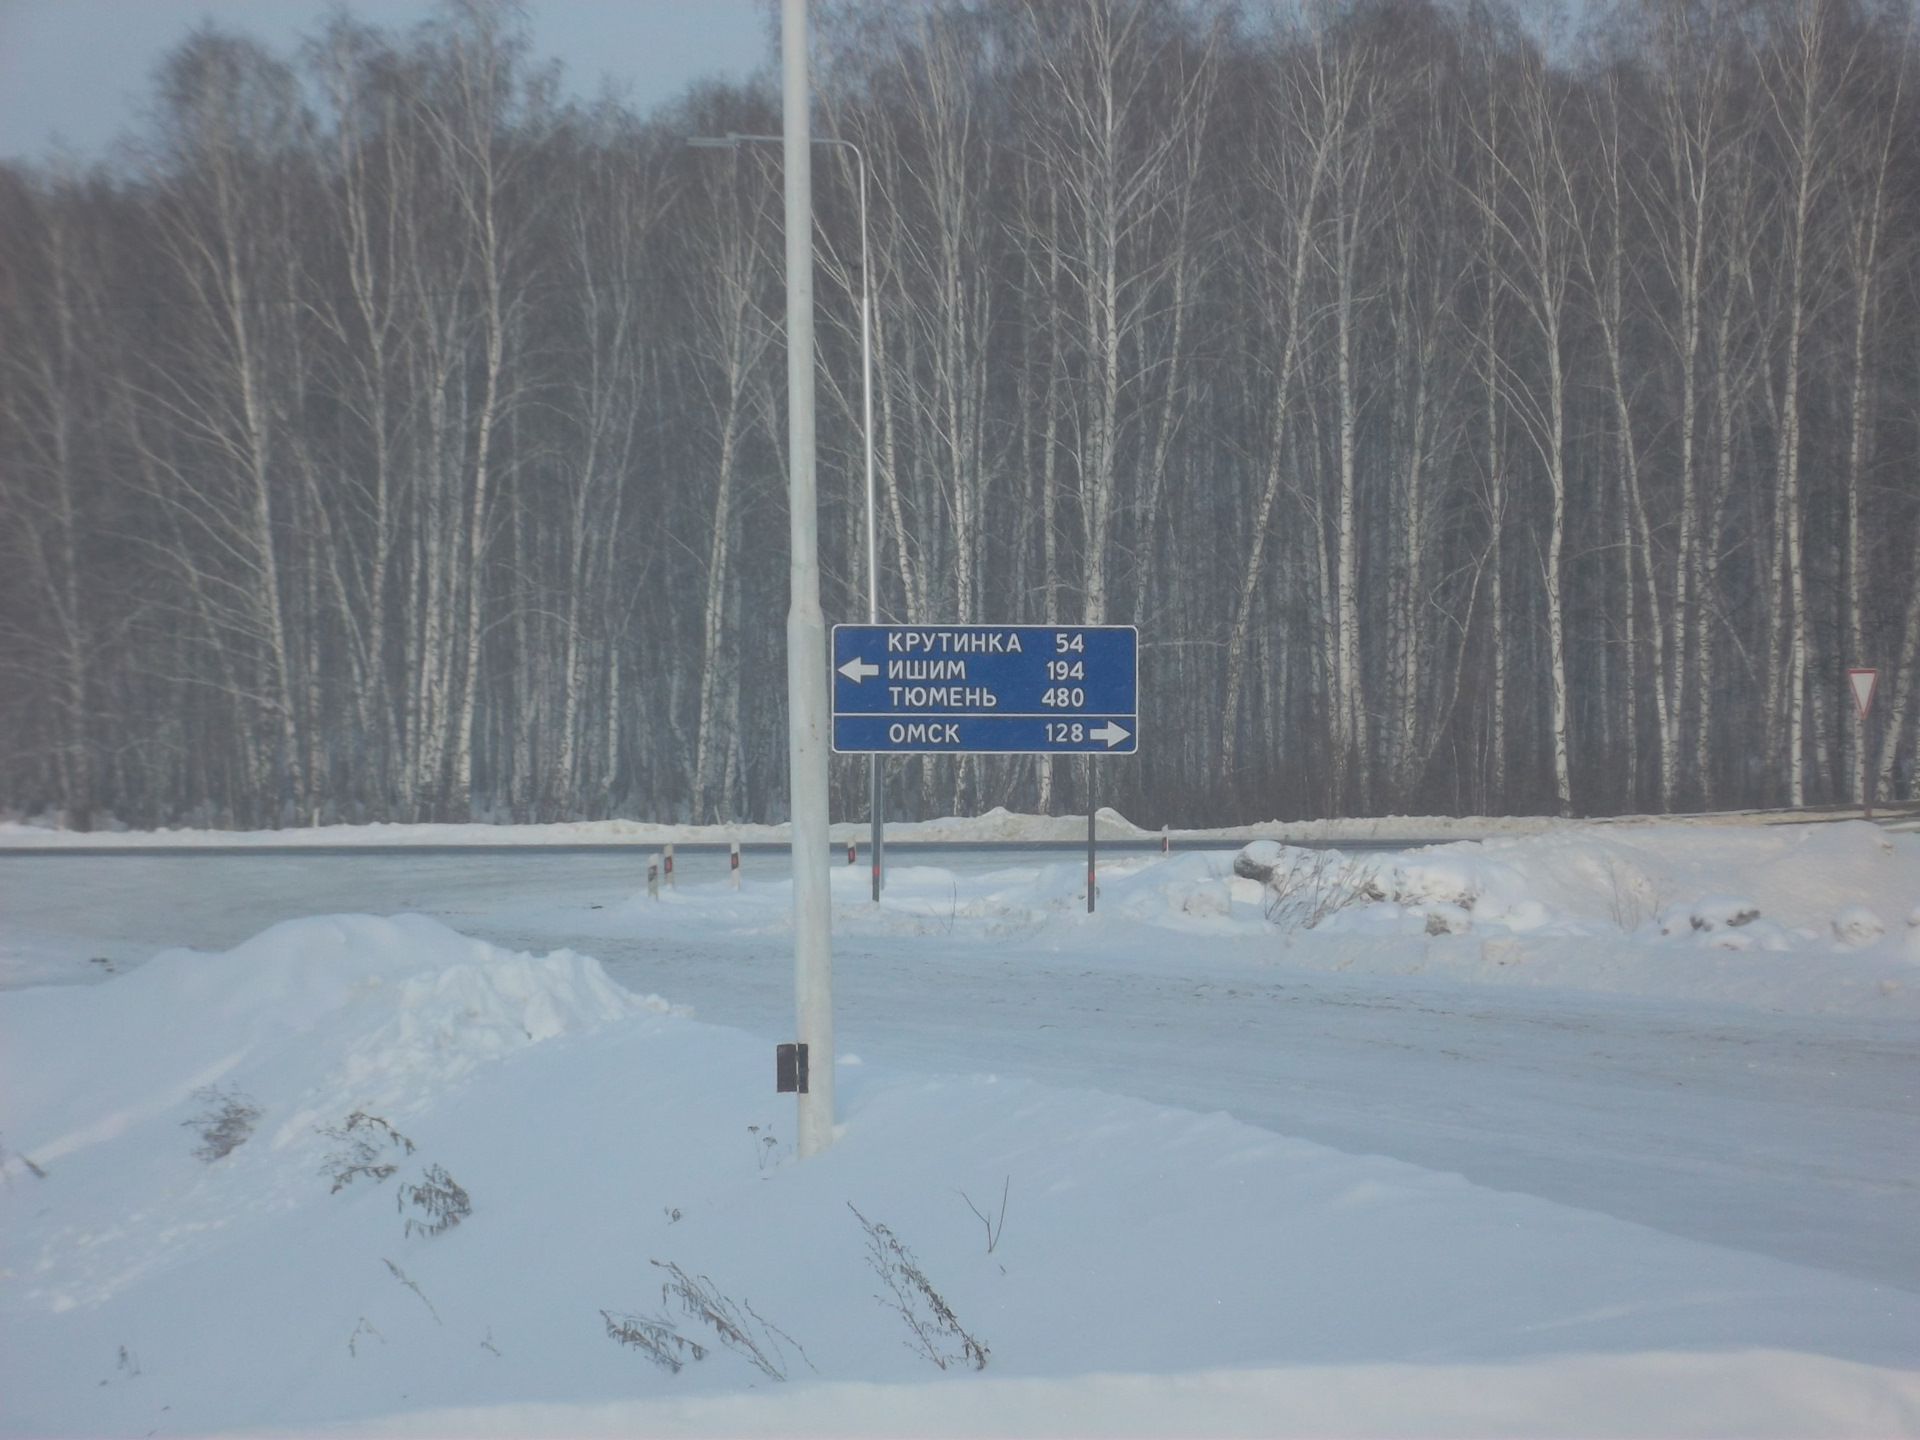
{"points": [[989, 690], [1862, 682], [1093, 809]]}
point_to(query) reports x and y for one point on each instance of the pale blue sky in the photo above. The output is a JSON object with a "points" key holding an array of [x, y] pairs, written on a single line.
{"points": [[79, 69]]}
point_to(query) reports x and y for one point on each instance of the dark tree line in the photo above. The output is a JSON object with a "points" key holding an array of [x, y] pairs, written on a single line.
{"points": [[1466, 428]]}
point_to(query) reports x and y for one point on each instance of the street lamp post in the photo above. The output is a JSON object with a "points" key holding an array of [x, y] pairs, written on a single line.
{"points": [[732, 140]]}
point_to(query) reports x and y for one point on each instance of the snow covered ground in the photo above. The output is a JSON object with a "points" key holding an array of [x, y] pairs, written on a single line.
{"points": [[996, 824], [1597, 1130]]}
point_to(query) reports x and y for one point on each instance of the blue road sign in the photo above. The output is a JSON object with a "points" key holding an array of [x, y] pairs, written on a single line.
{"points": [[986, 689]]}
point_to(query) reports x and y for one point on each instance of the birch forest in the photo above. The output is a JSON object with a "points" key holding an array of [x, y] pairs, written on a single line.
{"points": [[1473, 419]]}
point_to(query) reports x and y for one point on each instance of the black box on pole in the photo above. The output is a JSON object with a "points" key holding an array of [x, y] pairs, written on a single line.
{"points": [[790, 1069]]}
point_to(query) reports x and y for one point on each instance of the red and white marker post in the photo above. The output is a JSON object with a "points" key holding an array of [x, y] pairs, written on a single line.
{"points": [[1861, 682]]}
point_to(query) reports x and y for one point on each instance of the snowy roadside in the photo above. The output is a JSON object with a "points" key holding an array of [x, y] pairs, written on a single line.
{"points": [[1793, 919], [996, 824], [375, 1175], [1798, 920]]}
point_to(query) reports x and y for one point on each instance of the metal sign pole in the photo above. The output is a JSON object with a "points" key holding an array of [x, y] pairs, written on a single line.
{"points": [[1862, 681], [1092, 889], [878, 843], [807, 709], [1866, 809], [932, 689]]}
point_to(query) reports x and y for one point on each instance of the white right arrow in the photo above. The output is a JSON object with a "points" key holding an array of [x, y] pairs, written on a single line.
{"points": [[1111, 733], [857, 669]]}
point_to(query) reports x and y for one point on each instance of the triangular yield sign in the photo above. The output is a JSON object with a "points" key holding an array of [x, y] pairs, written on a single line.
{"points": [[1863, 682]]}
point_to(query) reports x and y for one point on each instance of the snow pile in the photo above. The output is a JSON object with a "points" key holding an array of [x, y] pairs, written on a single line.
{"points": [[345, 1011], [1611, 908], [1857, 925], [367, 1174]]}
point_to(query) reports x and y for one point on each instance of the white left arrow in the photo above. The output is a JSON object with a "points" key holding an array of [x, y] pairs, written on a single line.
{"points": [[1111, 733], [857, 670]]}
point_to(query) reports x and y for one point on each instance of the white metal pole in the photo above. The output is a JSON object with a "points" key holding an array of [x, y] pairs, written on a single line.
{"points": [[806, 626]]}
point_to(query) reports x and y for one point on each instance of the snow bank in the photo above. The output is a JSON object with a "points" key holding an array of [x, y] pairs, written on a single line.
{"points": [[345, 1011], [995, 824], [1772, 916], [1655, 910]]}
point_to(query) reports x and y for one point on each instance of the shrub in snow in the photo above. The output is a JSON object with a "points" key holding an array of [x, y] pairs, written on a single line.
{"points": [[440, 1197], [1257, 859], [409, 1282], [368, 1147], [937, 1333], [6, 1159], [740, 1328], [995, 1223], [363, 1328], [1857, 925], [226, 1119], [1448, 920], [1304, 887], [654, 1338], [1676, 920], [1633, 896], [1424, 882], [766, 1146], [1722, 912]]}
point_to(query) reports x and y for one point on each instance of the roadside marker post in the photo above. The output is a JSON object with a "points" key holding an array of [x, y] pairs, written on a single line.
{"points": [[1862, 682], [667, 867], [989, 690], [733, 864], [1093, 886]]}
